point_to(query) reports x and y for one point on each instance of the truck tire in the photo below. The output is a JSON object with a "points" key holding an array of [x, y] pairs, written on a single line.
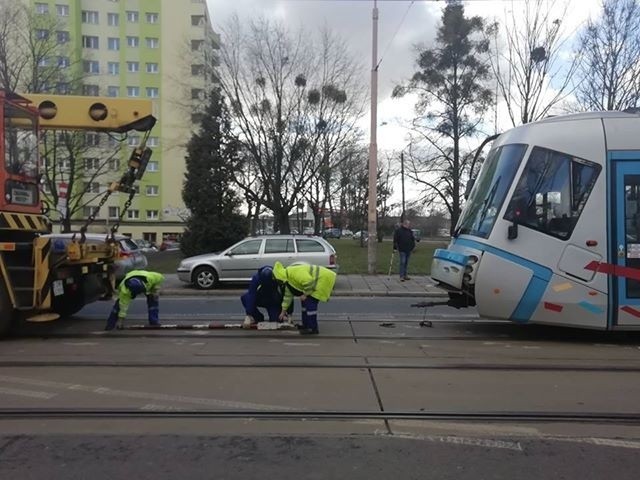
{"points": [[7, 313]]}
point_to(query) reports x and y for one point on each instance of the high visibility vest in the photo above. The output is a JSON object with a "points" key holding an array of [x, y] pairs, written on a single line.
{"points": [[312, 280]]}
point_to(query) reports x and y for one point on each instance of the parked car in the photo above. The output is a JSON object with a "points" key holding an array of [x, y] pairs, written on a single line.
{"points": [[146, 245], [308, 231], [361, 233], [332, 233], [130, 256], [169, 245], [240, 261], [347, 233]]}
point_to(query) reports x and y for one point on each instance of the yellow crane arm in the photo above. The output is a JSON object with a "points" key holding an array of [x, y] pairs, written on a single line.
{"points": [[103, 114]]}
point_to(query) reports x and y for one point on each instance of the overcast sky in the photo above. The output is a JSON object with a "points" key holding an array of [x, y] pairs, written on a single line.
{"points": [[352, 19]]}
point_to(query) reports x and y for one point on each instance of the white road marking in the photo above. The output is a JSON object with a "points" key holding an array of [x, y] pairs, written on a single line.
{"points": [[26, 393], [81, 344], [455, 440], [161, 397], [296, 344], [161, 408]]}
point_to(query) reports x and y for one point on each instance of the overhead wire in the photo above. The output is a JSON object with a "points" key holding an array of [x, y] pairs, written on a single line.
{"points": [[404, 17]]}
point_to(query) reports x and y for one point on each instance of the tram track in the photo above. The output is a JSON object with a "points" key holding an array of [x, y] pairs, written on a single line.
{"points": [[630, 418], [328, 366]]}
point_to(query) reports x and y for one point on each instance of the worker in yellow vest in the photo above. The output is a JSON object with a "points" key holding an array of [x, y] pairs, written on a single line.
{"points": [[312, 284], [137, 282]]}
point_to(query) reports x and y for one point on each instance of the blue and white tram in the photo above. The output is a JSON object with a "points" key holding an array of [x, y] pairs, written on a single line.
{"points": [[551, 230]]}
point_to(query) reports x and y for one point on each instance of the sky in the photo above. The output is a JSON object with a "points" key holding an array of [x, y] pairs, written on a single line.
{"points": [[402, 24]]}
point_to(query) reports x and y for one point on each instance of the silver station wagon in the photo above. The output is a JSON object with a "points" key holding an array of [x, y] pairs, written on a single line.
{"points": [[240, 261]]}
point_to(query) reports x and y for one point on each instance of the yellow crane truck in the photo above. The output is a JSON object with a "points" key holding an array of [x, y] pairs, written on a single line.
{"points": [[40, 278]]}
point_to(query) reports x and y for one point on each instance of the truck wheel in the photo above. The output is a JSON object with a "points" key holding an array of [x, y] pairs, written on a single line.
{"points": [[7, 313], [205, 278]]}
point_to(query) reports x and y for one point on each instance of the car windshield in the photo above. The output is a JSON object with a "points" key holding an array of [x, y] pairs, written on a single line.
{"points": [[490, 190]]}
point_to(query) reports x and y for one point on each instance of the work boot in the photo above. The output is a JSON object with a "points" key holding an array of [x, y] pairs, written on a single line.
{"points": [[308, 331], [249, 321], [407, 278]]}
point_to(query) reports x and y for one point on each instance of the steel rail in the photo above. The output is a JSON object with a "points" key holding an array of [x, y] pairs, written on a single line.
{"points": [[555, 417]]}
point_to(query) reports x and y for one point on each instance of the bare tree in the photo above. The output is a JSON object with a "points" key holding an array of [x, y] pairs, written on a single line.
{"points": [[294, 103], [610, 71], [531, 75]]}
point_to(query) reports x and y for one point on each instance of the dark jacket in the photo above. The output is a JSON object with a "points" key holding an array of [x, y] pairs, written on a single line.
{"points": [[403, 239]]}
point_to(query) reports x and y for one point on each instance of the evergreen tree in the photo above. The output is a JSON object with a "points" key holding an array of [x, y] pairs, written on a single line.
{"points": [[452, 97], [212, 163]]}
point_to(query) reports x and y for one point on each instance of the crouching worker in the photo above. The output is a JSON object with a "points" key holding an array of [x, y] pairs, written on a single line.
{"points": [[264, 291], [136, 283], [312, 284]]}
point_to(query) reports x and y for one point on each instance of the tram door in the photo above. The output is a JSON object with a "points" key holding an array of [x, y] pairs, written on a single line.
{"points": [[626, 238]]}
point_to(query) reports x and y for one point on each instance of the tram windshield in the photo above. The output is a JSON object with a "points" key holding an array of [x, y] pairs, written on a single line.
{"points": [[490, 190]]}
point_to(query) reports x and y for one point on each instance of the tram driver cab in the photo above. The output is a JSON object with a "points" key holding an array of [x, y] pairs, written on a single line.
{"points": [[549, 233]]}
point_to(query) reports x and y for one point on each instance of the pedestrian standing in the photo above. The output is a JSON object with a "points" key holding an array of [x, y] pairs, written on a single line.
{"points": [[404, 242], [137, 282], [312, 284]]}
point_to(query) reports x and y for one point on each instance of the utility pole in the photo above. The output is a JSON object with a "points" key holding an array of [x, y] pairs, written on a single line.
{"points": [[402, 181], [372, 227]]}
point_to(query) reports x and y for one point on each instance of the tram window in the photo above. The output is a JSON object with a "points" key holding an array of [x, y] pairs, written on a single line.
{"points": [[552, 192]]}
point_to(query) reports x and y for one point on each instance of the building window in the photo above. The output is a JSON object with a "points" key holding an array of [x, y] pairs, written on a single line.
{"points": [[114, 212], [197, 70], [196, 93], [91, 211], [91, 66], [152, 167], [196, 45], [64, 165], [152, 214], [152, 42], [133, 67], [63, 88], [153, 92], [133, 42], [133, 214], [113, 43], [152, 142], [113, 19], [132, 17], [114, 164], [133, 91], [64, 62], [90, 16], [92, 187], [62, 10], [152, 190], [113, 91], [197, 20], [152, 17], [91, 90], [91, 163], [91, 139], [63, 37], [43, 62], [42, 8], [133, 140], [90, 41], [42, 34], [152, 68], [113, 68]]}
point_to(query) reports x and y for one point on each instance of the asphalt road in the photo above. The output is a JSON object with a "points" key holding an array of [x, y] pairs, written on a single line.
{"points": [[376, 395]]}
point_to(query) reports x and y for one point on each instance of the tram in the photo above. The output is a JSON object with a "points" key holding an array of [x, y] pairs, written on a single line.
{"points": [[550, 233]]}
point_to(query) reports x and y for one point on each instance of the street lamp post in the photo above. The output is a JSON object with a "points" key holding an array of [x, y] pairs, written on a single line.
{"points": [[373, 150]]}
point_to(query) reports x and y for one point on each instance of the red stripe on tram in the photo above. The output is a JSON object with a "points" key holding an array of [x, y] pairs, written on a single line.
{"points": [[615, 270], [631, 311], [554, 307]]}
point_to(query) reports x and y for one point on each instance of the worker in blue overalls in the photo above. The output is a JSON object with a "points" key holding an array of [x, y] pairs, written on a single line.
{"points": [[265, 292]]}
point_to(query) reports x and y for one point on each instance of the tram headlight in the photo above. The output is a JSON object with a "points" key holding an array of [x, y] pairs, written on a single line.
{"points": [[472, 260], [466, 278]]}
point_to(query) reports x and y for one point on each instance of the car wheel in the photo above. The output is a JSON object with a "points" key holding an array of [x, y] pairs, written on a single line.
{"points": [[205, 278]]}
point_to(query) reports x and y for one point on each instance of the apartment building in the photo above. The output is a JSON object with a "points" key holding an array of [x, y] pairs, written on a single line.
{"points": [[148, 49]]}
